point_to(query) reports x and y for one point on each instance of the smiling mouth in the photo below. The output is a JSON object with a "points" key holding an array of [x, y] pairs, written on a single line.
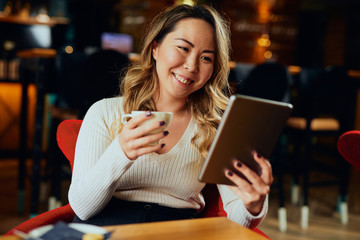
{"points": [[183, 80]]}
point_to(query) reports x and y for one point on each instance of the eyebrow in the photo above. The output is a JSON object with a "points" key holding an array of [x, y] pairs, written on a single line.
{"points": [[192, 45]]}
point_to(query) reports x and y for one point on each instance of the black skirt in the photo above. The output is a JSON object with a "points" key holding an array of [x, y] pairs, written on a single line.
{"points": [[119, 212]]}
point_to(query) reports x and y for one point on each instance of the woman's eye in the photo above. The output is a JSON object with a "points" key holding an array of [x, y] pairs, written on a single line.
{"points": [[208, 59], [183, 48]]}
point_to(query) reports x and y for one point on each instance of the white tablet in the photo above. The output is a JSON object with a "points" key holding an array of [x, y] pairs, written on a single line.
{"points": [[248, 124]]}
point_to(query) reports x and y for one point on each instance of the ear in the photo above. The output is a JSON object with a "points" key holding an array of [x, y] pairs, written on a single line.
{"points": [[155, 50]]}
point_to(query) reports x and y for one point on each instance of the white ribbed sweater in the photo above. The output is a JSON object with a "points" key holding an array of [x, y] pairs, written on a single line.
{"points": [[102, 170]]}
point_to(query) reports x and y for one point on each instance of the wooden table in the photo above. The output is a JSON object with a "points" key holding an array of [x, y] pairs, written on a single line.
{"points": [[199, 229]]}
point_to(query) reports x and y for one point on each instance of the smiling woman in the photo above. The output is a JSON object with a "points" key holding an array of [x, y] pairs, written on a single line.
{"points": [[184, 59], [118, 177], [212, 98]]}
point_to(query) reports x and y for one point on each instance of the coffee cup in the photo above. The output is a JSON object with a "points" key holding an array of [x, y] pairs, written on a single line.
{"points": [[155, 117]]}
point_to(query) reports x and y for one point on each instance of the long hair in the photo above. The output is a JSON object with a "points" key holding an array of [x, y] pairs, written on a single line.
{"points": [[206, 104]]}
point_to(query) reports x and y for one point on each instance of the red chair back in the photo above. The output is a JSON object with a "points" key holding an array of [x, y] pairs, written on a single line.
{"points": [[348, 146], [66, 137]]}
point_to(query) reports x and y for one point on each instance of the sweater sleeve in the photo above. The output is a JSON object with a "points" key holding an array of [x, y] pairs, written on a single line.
{"points": [[236, 211], [99, 163]]}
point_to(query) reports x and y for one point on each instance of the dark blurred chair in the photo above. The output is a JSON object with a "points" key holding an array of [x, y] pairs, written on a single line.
{"points": [[324, 102], [102, 75], [83, 79], [69, 70], [271, 80], [238, 73]]}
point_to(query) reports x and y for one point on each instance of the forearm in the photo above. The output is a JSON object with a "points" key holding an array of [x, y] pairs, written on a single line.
{"points": [[91, 191], [99, 162], [236, 210]]}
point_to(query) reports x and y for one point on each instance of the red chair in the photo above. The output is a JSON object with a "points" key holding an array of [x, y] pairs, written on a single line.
{"points": [[348, 146], [66, 135]]}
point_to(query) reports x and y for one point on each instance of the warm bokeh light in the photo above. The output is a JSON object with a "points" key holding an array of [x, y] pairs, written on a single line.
{"points": [[9, 45], [267, 54], [69, 49], [44, 18], [294, 69], [264, 41]]}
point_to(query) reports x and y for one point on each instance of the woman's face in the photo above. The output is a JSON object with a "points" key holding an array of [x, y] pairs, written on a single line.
{"points": [[185, 58]]}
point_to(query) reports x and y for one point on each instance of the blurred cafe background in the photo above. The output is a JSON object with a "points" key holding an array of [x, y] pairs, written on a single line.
{"points": [[57, 57]]}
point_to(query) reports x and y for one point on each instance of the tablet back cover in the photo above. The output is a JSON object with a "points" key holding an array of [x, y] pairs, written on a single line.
{"points": [[248, 124]]}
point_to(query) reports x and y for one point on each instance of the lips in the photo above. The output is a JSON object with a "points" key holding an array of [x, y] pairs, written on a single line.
{"points": [[182, 79]]}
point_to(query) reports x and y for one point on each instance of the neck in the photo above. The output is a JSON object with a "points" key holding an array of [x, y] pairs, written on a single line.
{"points": [[177, 106]]}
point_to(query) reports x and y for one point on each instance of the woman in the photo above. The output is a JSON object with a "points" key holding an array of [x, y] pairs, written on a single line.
{"points": [[183, 69]]}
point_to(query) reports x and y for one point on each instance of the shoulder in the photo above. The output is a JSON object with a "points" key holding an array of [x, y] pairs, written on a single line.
{"points": [[108, 103], [106, 110]]}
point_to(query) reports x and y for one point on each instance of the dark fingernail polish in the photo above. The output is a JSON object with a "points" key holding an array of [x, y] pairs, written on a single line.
{"points": [[238, 164], [162, 145], [166, 133], [230, 173], [148, 114], [259, 155], [162, 123]]}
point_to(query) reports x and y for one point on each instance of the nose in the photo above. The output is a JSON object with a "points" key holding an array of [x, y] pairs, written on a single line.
{"points": [[191, 64]]}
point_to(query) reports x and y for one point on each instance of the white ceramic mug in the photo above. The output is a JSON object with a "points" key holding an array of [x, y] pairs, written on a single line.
{"points": [[155, 117]]}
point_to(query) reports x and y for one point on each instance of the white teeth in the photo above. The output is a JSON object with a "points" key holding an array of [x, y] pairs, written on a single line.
{"points": [[181, 79]]}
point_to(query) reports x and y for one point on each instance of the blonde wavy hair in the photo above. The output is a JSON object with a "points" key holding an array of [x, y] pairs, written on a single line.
{"points": [[205, 105]]}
